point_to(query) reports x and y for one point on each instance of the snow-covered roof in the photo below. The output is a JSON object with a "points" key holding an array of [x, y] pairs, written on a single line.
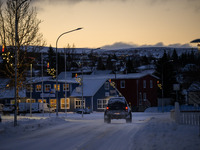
{"points": [[90, 87], [39, 79], [194, 87], [10, 93], [120, 76]]}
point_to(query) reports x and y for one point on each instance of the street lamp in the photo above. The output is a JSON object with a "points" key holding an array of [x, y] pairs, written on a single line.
{"points": [[197, 41], [57, 66]]}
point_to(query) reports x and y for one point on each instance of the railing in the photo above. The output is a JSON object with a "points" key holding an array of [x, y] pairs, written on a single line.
{"points": [[190, 118], [187, 117]]}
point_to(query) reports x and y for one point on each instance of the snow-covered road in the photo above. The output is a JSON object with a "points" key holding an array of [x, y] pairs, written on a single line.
{"points": [[147, 131]]}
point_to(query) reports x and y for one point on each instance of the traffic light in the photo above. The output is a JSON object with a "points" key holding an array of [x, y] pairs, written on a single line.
{"points": [[47, 64], [159, 85], [3, 48]]}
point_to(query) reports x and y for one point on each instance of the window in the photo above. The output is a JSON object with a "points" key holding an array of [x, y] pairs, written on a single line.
{"points": [[102, 103], [38, 88], [40, 100], [64, 104], [144, 84], [78, 103], [53, 103], [30, 100], [107, 94], [28, 88], [144, 96], [140, 98], [122, 84], [47, 88], [151, 84], [13, 101], [65, 87], [58, 87], [107, 87]]}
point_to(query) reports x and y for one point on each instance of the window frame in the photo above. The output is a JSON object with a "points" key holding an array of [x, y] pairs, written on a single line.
{"points": [[45, 87], [102, 103], [144, 84], [66, 88], [62, 104], [79, 105], [36, 88]]}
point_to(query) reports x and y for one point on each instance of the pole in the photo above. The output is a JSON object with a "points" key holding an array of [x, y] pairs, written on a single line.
{"points": [[65, 83], [31, 92], [57, 66], [82, 83], [16, 57], [162, 91], [42, 85]]}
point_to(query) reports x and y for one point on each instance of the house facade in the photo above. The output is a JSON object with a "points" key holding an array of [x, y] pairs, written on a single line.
{"points": [[94, 93], [140, 90], [47, 93]]}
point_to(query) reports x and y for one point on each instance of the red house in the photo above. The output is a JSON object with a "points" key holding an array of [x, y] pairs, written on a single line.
{"points": [[140, 90]]}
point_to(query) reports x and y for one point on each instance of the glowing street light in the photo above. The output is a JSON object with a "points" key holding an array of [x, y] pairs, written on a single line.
{"points": [[57, 66]]}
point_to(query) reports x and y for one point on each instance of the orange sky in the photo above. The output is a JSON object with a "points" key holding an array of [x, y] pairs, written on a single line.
{"points": [[105, 22]]}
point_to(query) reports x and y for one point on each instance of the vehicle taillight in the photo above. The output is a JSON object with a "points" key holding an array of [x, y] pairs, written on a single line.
{"points": [[126, 108]]}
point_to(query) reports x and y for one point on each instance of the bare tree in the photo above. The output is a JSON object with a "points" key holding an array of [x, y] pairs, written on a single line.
{"points": [[18, 14]]}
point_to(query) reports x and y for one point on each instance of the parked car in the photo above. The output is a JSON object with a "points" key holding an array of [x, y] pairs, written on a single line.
{"points": [[84, 110], [117, 108], [8, 108]]}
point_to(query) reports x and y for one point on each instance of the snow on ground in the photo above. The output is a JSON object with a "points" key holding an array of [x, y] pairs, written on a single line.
{"points": [[147, 131]]}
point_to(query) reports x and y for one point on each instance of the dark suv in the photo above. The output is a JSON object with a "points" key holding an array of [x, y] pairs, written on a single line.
{"points": [[117, 108]]}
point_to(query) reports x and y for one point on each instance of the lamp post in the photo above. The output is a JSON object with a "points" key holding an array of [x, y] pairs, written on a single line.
{"points": [[18, 5], [198, 43], [57, 66]]}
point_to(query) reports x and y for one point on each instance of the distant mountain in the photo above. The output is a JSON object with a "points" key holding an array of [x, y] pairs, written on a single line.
{"points": [[156, 52]]}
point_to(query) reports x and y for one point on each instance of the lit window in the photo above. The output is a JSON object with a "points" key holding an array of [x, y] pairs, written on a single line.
{"points": [[58, 87], [47, 88], [53, 103], [65, 87], [38, 88], [30, 100], [40, 100], [64, 104]]}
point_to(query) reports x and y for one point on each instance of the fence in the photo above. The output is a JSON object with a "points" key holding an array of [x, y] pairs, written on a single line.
{"points": [[190, 118], [187, 117]]}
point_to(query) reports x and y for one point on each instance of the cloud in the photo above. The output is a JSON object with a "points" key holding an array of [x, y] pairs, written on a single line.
{"points": [[123, 45], [73, 1]]}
